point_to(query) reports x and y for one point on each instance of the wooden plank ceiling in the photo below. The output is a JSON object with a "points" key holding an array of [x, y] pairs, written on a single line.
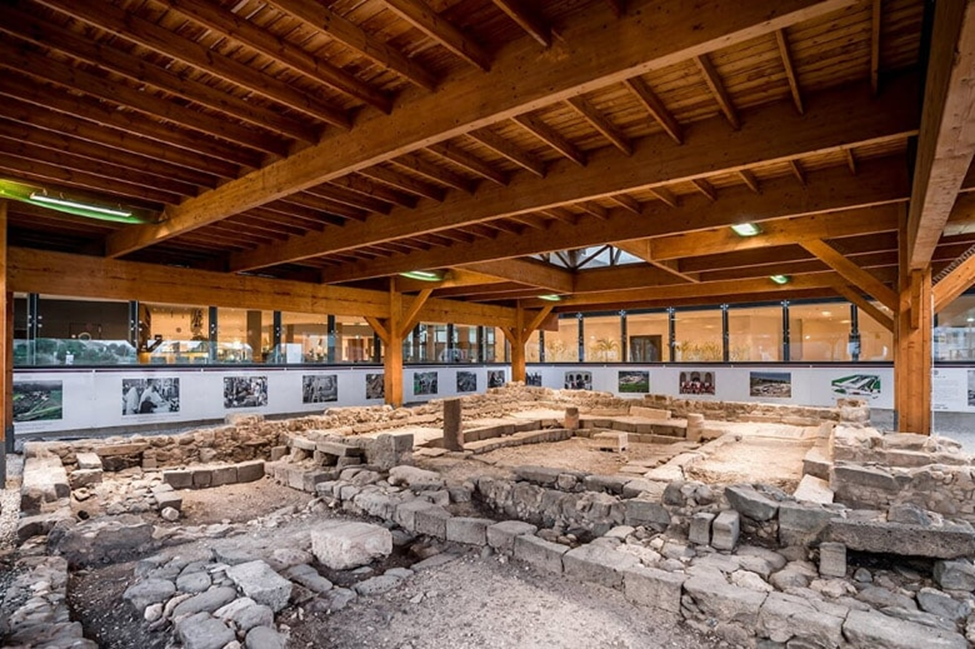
{"points": [[353, 140]]}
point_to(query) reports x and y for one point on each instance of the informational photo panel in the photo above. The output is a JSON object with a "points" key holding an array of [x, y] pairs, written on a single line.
{"points": [[634, 381], [150, 396], [322, 388], [38, 400], [466, 381]]}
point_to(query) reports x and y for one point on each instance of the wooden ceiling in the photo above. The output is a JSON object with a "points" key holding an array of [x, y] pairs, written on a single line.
{"points": [[350, 141]]}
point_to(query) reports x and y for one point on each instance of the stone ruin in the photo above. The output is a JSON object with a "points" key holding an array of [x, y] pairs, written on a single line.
{"points": [[874, 548]]}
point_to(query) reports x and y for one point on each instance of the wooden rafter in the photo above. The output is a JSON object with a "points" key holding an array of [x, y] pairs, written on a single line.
{"points": [[851, 272], [782, 41], [532, 273], [652, 103], [508, 150], [875, 16], [796, 168], [642, 249], [438, 174], [749, 179], [527, 20], [421, 16], [553, 138], [627, 202], [665, 195], [717, 88], [367, 187], [470, 162], [854, 296], [404, 183], [706, 188], [602, 124], [958, 280]]}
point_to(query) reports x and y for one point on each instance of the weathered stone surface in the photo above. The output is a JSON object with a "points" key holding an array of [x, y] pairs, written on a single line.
{"points": [[541, 475], [350, 544], [468, 530], [611, 484], [207, 601], [84, 478], [932, 600], [816, 463], [718, 599], [40, 524], [801, 523], [955, 575], [725, 530], [789, 618], [88, 460], [750, 502], [203, 631], [598, 563], [106, 539], [453, 437], [178, 478], [872, 629], [647, 513], [540, 553], [414, 478], [169, 499], [307, 576], [406, 512], [258, 581], [950, 541], [832, 560], [195, 581], [432, 522], [652, 587], [264, 637], [246, 614], [501, 536], [222, 475], [377, 585], [814, 490], [44, 482], [151, 591], [700, 528]]}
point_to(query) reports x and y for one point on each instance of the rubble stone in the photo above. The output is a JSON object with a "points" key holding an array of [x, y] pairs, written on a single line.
{"points": [[870, 629], [258, 581], [501, 536], [725, 530], [350, 544]]}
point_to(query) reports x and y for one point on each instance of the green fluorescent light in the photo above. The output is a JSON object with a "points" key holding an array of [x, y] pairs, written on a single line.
{"points": [[63, 202], [550, 298], [746, 229], [423, 275], [779, 279]]}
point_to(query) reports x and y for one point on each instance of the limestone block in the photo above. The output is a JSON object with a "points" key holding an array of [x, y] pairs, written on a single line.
{"points": [[169, 499], [307, 576], [87, 461], [700, 528], [652, 587], [104, 540], [849, 478], [649, 513], [202, 478], [649, 413], [453, 436], [377, 504], [540, 553], [750, 502], [612, 484], [44, 481], [278, 452], [501, 536], [695, 427], [414, 478], [337, 449], [258, 581], [955, 575], [406, 513], [377, 585], [432, 522], [150, 591], [832, 559], [541, 475], [84, 478], [571, 419], [814, 490], [468, 530], [801, 523], [250, 471], [246, 614], [932, 600], [223, 475], [40, 524], [203, 631], [598, 563], [784, 618], [206, 602], [871, 629], [718, 599], [615, 442], [350, 544], [949, 541], [264, 637], [725, 530], [816, 463]]}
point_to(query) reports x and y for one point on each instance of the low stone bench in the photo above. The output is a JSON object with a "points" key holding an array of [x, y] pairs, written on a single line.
{"points": [[214, 476]]}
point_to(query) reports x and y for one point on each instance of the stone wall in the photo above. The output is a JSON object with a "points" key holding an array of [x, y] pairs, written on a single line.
{"points": [[849, 411]]}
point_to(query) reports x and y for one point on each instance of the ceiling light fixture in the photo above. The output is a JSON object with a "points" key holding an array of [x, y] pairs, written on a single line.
{"points": [[38, 197], [550, 298], [779, 279], [746, 229], [423, 275]]}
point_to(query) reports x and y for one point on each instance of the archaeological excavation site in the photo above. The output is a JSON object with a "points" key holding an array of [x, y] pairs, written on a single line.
{"points": [[523, 517]]}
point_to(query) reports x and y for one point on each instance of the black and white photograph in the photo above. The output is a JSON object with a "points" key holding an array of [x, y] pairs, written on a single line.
{"points": [[696, 382], [375, 387], [244, 391], [150, 396], [321, 388], [578, 381], [770, 384], [38, 400], [425, 383], [495, 378], [534, 379], [466, 382]]}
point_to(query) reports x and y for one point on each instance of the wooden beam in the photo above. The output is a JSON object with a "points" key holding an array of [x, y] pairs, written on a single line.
{"points": [[371, 189], [411, 317], [470, 162], [334, 26], [131, 27], [553, 138], [393, 357], [627, 202], [656, 108], [851, 272], [443, 31], [875, 46], [539, 318], [706, 188], [379, 327], [527, 20], [532, 273], [956, 282], [797, 172], [508, 150], [853, 295], [790, 73], [851, 160], [716, 85], [636, 44], [404, 183], [749, 179], [665, 195], [946, 143], [427, 169], [642, 249], [602, 124]]}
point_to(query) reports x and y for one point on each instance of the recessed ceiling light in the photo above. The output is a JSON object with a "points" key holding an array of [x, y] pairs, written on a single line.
{"points": [[779, 279], [746, 229], [550, 298], [423, 275]]}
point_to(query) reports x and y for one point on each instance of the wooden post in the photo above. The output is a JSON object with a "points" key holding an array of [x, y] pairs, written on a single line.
{"points": [[393, 361], [518, 340], [6, 344], [912, 345]]}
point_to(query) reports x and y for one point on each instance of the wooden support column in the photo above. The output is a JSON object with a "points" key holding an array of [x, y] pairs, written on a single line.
{"points": [[6, 344], [393, 361], [518, 337], [912, 344]]}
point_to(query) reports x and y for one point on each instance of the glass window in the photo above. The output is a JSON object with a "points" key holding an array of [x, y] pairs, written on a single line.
{"points": [[532, 350], [603, 339], [954, 337], [820, 332], [238, 335], [562, 346], [72, 332], [496, 346], [876, 342], [648, 337], [465, 347], [353, 340], [176, 334], [755, 333], [699, 336]]}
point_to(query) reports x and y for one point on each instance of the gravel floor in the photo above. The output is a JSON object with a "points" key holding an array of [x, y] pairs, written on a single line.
{"points": [[10, 502]]}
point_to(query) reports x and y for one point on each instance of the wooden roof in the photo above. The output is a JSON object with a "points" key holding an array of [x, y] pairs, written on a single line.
{"points": [[350, 141]]}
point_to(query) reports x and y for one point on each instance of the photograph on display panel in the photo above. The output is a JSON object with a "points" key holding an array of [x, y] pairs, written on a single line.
{"points": [[425, 383], [634, 381], [375, 387], [38, 400], [320, 388], [578, 380], [466, 382], [770, 384], [861, 385], [495, 378], [244, 391], [696, 382], [150, 396], [534, 378]]}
